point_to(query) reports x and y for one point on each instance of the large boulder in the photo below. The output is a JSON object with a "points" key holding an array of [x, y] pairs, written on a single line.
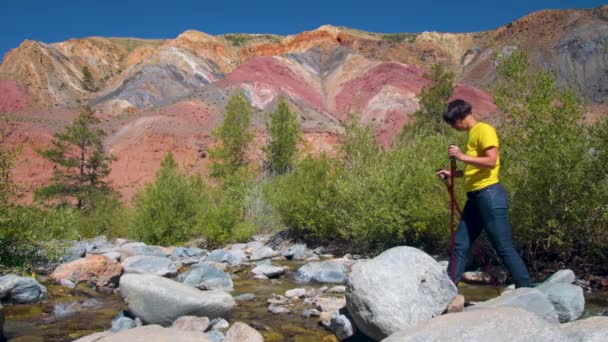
{"points": [[144, 264], [568, 300], [297, 252], [490, 324], [139, 248], [399, 288], [22, 290], [205, 277], [592, 329], [330, 271], [234, 257], [217, 255], [526, 298], [149, 333], [94, 269], [158, 300], [263, 253], [241, 332], [268, 270]]}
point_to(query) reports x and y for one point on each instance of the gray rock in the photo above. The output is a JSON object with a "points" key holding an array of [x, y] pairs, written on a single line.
{"points": [[153, 333], [112, 256], [189, 261], [341, 326], [234, 258], [263, 253], [311, 313], [241, 332], [76, 251], [187, 252], [491, 324], [217, 255], [526, 298], [562, 276], [264, 262], [568, 300], [278, 310], [399, 288], [297, 252], [158, 300], [207, 278], [22, 290], [245, 296], [132, 244], [260, 277], [122, 322], [592, 329], [330, 271], [134, 249], [144, 264], [269, 271], [295, 293], [192, 323], [219, 324], [254, 245], [67, 283], [337, 289], [215, 336], [238, 246]]}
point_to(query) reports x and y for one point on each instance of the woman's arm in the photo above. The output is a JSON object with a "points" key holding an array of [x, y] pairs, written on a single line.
{"points": [[485, 161]]}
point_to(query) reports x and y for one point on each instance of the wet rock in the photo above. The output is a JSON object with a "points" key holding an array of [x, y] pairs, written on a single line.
{"points": [[192, 323], [122, 322], [96, 270], [154, 333], [241, 332], [245, 297], [144, 264], [568, 300], [341, 326], [219, 324], [158, 300], [262, 253], [504, 324], [278, 310], [269, 271], [207, 278], [22, 290], [530, 299], [215, 336], [295, 293], [400, 288], [259, 326], [330, 271], [592, 329]]}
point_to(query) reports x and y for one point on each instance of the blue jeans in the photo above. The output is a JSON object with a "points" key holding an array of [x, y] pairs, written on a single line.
{"points": [[487, 209]]}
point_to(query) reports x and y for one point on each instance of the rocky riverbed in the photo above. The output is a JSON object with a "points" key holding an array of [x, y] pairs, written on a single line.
{"points": [[273, 290]]}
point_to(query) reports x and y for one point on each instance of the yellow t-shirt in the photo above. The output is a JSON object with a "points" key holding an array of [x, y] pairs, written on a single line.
{"points": [[481, 137]]}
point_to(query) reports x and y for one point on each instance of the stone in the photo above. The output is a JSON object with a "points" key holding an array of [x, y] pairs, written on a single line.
{"points": [[295, 293], [219, 324], [241, 332], [137, 249], [263, 262], [245, 297], [337, 289], [530, 299], [329, 271], [457, 305], [400, 288], [96, 270], [592, 329], [76, 251], [234, 258], [1, 323], [114, 256], [122, 322], [330, 304], [158, 300], [187, 252], [268, 270], [67, 283], [262, 253], [562, 276], [207, 278], [154, 333], [498, 324], [192, 323], [144, 264], [297, 252], [278, 310], [260, 277], [341, 326], [568, 300], [238, 246], [215, 335], [311, 313], [217, 255], [21, 290]]}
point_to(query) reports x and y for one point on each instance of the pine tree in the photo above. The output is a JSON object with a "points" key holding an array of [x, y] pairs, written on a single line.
{"points": [[283, 139], [81, 163]]}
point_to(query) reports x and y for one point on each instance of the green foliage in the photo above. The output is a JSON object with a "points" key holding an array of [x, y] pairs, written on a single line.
{"points": [[105, 216], [368, 198], [30, 237], [229, 160], [400, 37], [555, 180], [7, 158], [433, 102], [283, 139], [238, 39], [88, 82], [165, 210], [81, 162]]}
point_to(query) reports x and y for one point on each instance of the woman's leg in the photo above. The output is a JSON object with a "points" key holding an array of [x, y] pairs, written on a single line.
{"points": [[493, 208], [468, 230]]}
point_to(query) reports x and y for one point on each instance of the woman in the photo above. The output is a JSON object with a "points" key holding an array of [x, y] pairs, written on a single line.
{"points": [[487, 204]]}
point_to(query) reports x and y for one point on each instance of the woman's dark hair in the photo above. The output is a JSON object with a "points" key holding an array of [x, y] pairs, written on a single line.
{"points": [[457, 109]]}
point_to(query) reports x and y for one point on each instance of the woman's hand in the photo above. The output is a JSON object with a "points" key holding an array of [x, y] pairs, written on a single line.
{"points": [[443, 174], [455, 152]]}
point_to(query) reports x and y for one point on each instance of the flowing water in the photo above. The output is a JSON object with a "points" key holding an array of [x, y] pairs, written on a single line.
{"points": [[72, 313]]}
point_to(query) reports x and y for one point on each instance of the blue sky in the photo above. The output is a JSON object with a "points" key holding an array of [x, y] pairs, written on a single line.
{"points": [[51, 21]]}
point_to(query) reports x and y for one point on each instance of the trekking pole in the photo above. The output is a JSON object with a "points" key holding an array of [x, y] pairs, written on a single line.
{"points": [[452, 221]]}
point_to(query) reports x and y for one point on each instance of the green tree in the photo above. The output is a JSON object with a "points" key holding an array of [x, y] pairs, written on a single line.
{"points": [[166, 210], [433, 102], [81, 162], [87, 79], [228, 158], [283, 139]]}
